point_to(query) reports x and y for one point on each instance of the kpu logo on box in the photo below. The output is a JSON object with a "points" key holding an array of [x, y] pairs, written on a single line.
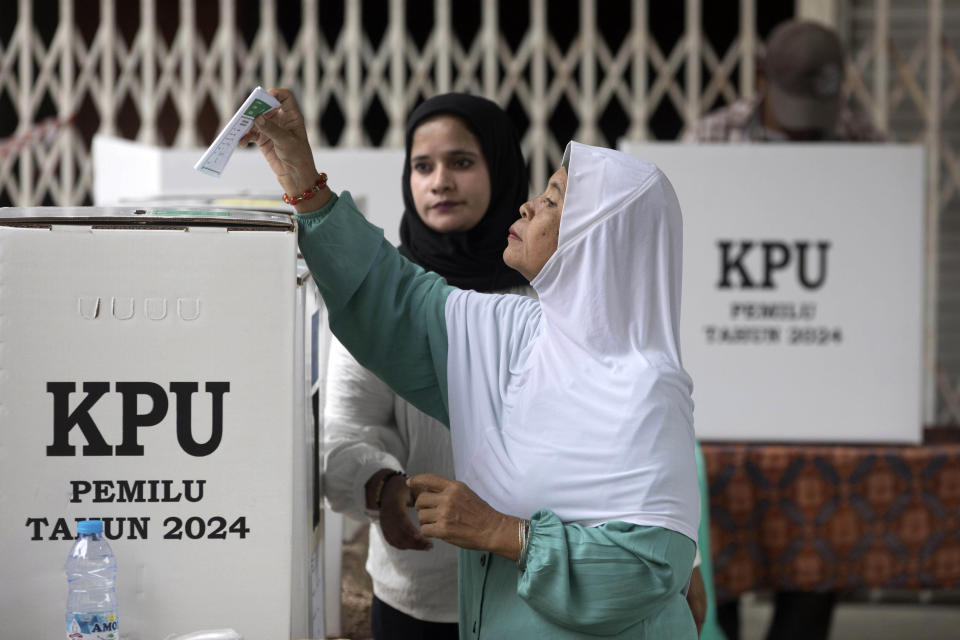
{"points": [[126, 308], [132, 420]]}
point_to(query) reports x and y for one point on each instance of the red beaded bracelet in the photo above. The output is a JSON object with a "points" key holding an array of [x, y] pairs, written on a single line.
{"points": [[317, 186]]}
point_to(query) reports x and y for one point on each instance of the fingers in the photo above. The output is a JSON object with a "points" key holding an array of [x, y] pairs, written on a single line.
{"points": [[428, 482], [414, 537], [395, 521], [283, 96], [281, 118], [269, 127], [432, 524], [407, 538], [276, 116], [288, 103], [400, 532], [432, 530], [440, 523], [427, 500], [442, 530], [250, 136]]}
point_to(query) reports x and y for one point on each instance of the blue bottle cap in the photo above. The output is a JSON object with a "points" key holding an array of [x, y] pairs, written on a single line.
{"points": [[90, 526]]}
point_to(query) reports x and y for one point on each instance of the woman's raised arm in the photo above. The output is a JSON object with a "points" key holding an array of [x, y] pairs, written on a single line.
{"points": [[387, 311]]}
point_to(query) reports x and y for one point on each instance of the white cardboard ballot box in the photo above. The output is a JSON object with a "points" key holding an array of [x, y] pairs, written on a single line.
{"points": [[153, 373], [802, 312]]}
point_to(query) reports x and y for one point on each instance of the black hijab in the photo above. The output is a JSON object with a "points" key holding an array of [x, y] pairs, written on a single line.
{"points": [[470, 259]]}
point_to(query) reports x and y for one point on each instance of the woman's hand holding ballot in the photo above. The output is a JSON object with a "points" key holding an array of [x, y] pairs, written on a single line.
{"points": [[282, 137], [451, 511]]}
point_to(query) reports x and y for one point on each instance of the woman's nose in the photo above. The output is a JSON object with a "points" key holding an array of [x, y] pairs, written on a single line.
{"points": [[442, 180], [526, 210]]}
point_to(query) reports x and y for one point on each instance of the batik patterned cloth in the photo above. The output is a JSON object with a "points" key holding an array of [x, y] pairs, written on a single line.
{"points": [[824, 518]]}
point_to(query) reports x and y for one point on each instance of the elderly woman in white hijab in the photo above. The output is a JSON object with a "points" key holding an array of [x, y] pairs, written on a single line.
{"points": [[576, 501]]}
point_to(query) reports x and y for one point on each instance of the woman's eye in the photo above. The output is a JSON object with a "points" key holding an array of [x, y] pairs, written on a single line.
{"points": [[549, 202], [463, 163], [421, 167]]}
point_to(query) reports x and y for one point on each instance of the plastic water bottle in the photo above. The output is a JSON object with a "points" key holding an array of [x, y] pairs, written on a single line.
{"points": [[91, 575]]}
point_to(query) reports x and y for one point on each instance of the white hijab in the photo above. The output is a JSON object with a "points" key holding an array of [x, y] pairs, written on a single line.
{"points": [[579, 403]]}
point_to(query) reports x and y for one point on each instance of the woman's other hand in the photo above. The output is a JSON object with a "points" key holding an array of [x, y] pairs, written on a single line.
{"points": [[450, 511], [281, 136]]}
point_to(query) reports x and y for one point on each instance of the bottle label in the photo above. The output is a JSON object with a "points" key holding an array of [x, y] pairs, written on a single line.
{"points": [[92, 626]]}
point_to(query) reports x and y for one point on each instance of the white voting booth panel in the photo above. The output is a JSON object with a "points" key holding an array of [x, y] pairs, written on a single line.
{"points": [[126, 171], [802, 288], [154, 373]]}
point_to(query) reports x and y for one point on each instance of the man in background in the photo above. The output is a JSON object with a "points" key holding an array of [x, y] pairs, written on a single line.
{"points": [[799, 98], [798, 95]]}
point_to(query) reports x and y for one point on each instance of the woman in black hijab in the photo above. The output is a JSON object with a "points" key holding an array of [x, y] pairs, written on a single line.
{"points": [[464, 180], [469, 259]]}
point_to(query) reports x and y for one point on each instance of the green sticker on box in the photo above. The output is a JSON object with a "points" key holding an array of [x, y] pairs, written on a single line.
{"points": [[176, 212], [256, 108]]}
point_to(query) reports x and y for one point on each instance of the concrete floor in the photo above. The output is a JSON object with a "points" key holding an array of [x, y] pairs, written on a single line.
{"points": [[855, 621]]}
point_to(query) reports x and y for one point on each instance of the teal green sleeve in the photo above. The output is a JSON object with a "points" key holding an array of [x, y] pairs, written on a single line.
{"points": [[387, 311], [602, 580]]}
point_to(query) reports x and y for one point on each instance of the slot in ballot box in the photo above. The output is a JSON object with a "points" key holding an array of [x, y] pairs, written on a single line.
{"points": [[803, 288], [154, 373]]}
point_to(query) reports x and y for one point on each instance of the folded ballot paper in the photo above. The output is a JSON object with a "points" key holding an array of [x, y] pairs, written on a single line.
{"points": [[215, 158]]}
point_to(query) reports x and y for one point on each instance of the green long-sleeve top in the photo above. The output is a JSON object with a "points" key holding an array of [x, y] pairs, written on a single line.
{"points": [[615, 580]]}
